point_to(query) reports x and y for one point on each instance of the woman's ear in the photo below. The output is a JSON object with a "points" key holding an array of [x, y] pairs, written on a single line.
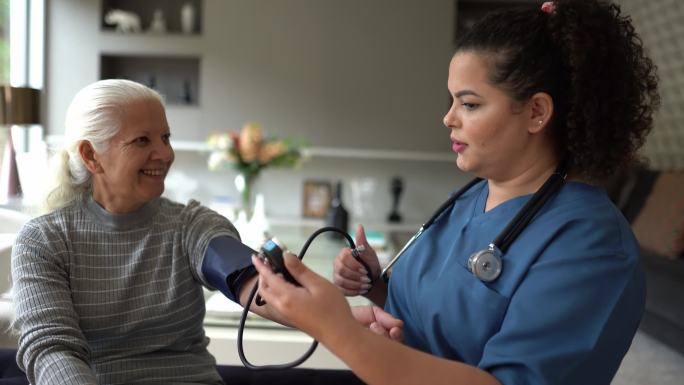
{"points": [[89, 157], [541, 111]]}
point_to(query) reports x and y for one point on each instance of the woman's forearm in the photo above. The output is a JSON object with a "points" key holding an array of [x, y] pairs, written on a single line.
{"points": [[379, 360], [265, 310]]}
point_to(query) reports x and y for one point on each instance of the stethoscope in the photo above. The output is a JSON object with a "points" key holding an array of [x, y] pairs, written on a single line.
{"points": [[486, 264]]}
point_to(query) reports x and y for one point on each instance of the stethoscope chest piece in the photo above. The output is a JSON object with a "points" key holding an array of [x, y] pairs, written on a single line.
{"points": [[486, 264]]}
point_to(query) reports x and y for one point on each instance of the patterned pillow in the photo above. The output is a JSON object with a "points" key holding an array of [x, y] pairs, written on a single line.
{"points": [[659, 226]]}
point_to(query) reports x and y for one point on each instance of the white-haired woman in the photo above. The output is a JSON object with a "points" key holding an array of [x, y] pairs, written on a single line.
{"points": [[108, 283]]}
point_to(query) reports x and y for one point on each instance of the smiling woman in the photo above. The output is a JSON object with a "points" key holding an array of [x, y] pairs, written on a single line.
{"points": [[108, 286], [132, 170]]}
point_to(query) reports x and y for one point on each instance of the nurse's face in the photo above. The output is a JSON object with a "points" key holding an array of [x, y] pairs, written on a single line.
{"points": [[132, 170], [489, 130]]}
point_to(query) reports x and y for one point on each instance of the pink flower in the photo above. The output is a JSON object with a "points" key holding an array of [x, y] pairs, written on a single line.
{"points": [[548, 7]]}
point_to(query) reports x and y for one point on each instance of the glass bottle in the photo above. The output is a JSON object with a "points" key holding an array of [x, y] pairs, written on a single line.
{"points": [[337, 215]]}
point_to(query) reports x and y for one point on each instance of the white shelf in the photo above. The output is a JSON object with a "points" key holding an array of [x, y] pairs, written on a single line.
{"points": [[335, 152], [150, 44]]}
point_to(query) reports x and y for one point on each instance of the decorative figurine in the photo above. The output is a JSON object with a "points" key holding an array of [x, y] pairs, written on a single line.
{"points": [[152, 82], [186, 96], [124, 21], [396, 188], [188, 18], [158, 24]]}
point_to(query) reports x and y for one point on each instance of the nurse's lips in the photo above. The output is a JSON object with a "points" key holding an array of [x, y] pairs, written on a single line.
{"points": [[457, 146]]}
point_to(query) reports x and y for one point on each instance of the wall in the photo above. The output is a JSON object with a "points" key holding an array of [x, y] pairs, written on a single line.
{"points": [[348, 74], [659, 23]]}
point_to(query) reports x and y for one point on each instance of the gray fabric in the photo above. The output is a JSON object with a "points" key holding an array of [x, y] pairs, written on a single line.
{"points": [[115, 299]]}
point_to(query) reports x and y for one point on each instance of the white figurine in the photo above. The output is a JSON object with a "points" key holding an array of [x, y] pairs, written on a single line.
{"points": [[123, 20], [188, 18], [158, 24]]}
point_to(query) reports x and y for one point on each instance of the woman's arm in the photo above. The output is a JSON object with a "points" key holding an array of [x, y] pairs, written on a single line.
{"points": [[52, 347], [319, 309], [371, 317]]}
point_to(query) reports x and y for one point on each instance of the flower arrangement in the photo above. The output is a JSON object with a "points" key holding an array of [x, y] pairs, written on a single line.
{"points": [[248, 152]]}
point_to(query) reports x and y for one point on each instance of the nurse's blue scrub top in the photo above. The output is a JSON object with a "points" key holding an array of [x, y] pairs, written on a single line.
{"points": [[563, 311]]}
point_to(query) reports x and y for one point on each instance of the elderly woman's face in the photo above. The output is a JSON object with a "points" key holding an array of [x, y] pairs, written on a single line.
{"points": [[139, 156]]}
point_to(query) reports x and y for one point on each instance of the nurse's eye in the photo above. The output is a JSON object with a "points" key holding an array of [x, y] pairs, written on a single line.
{"points": [[470, 106]]}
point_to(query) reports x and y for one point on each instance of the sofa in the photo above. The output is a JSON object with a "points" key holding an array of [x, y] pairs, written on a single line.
{"points": [[653, 203]]}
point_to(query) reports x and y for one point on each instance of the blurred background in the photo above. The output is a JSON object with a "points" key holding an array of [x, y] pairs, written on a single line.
{"points": [[361, 84]]}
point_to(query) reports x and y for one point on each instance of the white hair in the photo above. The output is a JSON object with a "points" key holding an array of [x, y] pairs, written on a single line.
{"points": [[95, 115]]}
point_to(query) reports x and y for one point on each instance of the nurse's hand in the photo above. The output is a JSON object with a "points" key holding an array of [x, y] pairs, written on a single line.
{"points": [[316, 307], [349, 275], [379, 321]]}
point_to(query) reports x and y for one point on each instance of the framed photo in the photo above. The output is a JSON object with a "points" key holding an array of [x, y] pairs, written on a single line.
{"points": [[317, 197]]}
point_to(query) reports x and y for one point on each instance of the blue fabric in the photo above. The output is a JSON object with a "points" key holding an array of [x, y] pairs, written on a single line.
{"points": [[224, 260], [563, 311], [10, 374]]}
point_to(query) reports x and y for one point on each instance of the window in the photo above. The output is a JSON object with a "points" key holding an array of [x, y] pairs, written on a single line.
{"points": [[4, 41], [22, 43]]}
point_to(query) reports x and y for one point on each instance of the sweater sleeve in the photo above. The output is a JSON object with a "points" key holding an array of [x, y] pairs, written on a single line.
{"points": [[200, 225], [52, 347]]}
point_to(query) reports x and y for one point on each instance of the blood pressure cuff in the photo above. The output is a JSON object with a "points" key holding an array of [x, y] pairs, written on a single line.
{"points": [[227, 265]]}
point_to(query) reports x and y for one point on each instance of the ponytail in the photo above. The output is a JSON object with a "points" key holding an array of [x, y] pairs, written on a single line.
{"points": [[65, 188], [586, 55]]}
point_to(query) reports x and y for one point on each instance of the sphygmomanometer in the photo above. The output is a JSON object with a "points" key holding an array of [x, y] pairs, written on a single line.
{"points": [[485, 264], [226, 256]]}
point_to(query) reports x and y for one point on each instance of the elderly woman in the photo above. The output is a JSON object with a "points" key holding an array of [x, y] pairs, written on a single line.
{"points": [[108, 284]]}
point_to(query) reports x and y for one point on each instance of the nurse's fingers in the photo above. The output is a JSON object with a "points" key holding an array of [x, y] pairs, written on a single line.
{"points": [[397, 334], [378, 329], [350, 287], [352, 273], [346, 260]]}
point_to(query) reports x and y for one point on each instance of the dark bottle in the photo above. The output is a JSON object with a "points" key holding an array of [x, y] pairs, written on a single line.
{"points": [[396, 188], [186, 96], [337, 215]]}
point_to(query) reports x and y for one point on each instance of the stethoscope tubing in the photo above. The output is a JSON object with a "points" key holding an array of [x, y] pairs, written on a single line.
{"points": [[442, 208], [501, 243]]}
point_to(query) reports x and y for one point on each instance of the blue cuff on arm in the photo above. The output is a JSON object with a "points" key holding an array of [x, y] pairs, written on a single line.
{"points": [[227, 264]]}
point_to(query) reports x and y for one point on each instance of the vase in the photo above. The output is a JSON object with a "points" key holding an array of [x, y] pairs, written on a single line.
{"points": [[244, 182], [188, 18]]}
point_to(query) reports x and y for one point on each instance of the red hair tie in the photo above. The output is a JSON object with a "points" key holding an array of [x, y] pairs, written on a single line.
{"points": [[548, 7]]}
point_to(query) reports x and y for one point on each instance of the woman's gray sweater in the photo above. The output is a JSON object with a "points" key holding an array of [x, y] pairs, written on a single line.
{"points": [[106, 298]]}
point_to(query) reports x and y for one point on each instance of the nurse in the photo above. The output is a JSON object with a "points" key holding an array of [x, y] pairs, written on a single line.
{"points": [[560, 92]]}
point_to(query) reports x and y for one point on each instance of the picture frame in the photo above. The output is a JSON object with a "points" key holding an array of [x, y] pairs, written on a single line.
{"points": [[317, 196]]}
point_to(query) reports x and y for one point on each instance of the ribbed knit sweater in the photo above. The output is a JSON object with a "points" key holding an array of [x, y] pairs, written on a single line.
{"points": [[106, 298]]}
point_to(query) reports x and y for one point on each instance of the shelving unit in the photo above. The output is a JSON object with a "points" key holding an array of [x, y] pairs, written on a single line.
{"points": [[170, 11], [177, 78], [238, 72], [166, 57]]}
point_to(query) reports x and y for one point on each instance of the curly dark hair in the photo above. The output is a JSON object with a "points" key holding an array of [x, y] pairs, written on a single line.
{"points": [[587, 56]]}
